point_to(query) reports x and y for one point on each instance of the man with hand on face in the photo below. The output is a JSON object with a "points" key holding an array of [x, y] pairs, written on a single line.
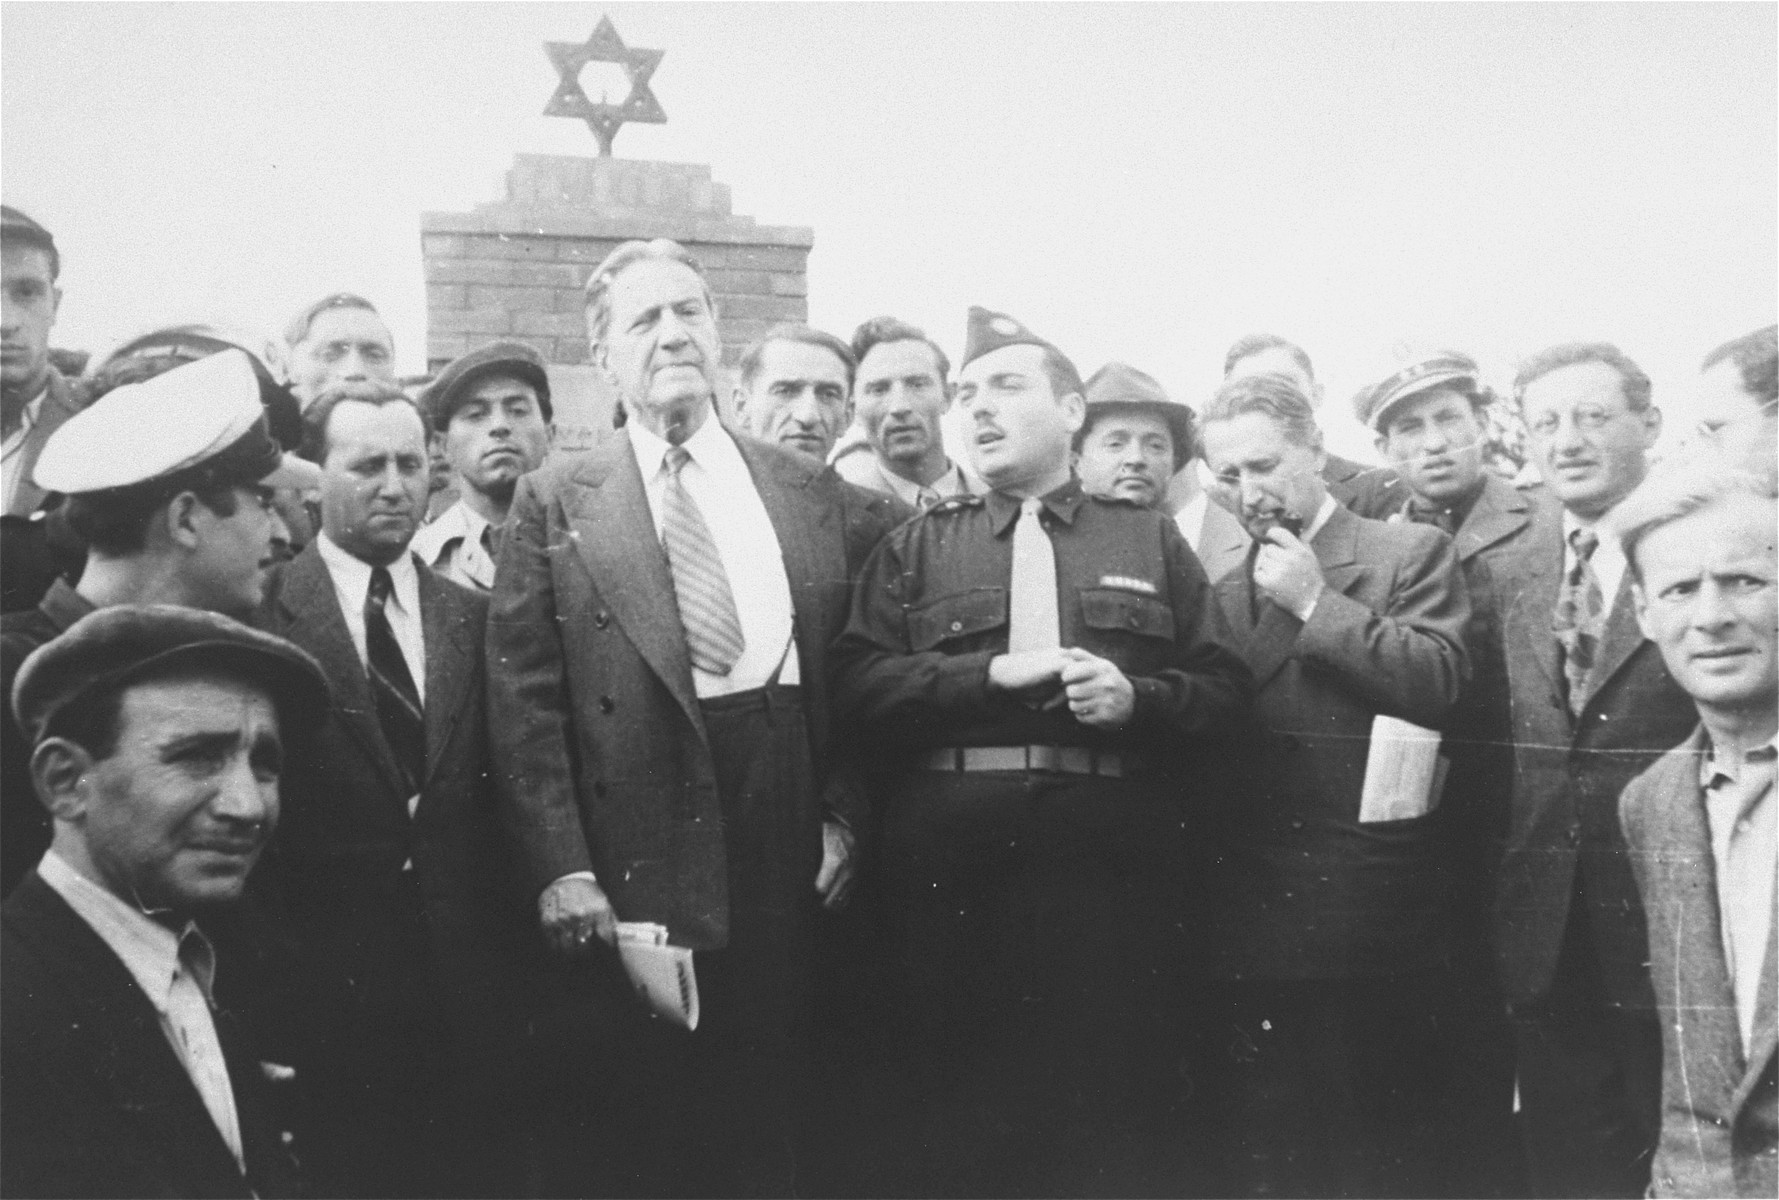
{"points": [[1428, 413], [1373, 492], [901, 392], [1702, 823], [1592, 705], [186, 518], [389, 871], [1327, 918], [795, 390], [160, 734], [1044, 663], [658, 647], [491, 411]]}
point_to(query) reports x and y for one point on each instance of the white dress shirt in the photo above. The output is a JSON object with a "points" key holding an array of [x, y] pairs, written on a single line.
{"points": [[1608, 559], [1744, 820], [352, 584], [181, 998], [717, 479], [451, 544], [1191, 519]]}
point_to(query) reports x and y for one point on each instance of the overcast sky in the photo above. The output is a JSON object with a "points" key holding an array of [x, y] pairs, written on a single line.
{"points": [[1140, 182]]}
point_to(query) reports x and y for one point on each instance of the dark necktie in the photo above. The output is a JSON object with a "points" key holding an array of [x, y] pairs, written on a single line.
{"points": [[706, 603], [1580, 617], [392, 684], [1427, 514]]}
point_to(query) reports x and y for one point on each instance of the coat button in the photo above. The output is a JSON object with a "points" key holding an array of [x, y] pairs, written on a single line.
{"points": [[606, 704], [957, 626], [601, 619]]}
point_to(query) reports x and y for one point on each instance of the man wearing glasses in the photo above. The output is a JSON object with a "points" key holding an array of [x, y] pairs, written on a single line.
{"points": [[1592, 707]]}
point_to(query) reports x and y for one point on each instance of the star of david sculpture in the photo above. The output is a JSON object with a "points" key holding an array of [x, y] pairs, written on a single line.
{"points": [[604, 119]]}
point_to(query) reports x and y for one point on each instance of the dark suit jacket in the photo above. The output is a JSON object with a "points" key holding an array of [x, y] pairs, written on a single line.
{"points": [[599, 741], [59, 403], [1568, 774], [1720, 1118], [93, 1101], [335, 864], [1310, 892], [1376, 493], [1223, 547]]}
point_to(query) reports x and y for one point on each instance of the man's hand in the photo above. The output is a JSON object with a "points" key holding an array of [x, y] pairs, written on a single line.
{"points": [[1026, 671], [1099, 693], [834, 880], [574, 911], [1287, 571]]}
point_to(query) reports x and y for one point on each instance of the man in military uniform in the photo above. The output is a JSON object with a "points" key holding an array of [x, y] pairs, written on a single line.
{"points": [[1042, 660], [1428, 413]]}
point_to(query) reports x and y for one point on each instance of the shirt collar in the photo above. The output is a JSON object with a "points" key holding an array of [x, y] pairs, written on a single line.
{"points": [[352, 575], [950, 483], [1329, 504], [710, 447], [148, 949], [1711, 769], [28, 418], [1063, 502]]}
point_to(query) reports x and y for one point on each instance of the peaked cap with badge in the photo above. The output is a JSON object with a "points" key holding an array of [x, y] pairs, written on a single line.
{"points": [[199, 425], [1117, 386], [1414, 372], [988, 331]]}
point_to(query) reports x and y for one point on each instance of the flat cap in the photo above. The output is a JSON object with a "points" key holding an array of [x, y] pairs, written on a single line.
{"points": [[1415, 372], [445, 394], [203, 420], [988, 331], [116, 646], [1118, 385]]}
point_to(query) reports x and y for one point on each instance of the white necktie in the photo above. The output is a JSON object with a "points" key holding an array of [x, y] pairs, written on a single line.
{"points": [[1032, 618]]}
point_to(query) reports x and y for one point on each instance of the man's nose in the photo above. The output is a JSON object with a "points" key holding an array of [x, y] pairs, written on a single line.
{"points": [[280, 530], [1711, 607], [242, 796]]}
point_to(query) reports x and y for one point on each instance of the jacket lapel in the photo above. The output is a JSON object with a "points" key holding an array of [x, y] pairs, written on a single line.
{"points": [[312, 619], [450, 661], [1499, 513], [1540, 572], [131, 1051], [614, 532], [58, 406], [1766, 1021], [1620, 641]]}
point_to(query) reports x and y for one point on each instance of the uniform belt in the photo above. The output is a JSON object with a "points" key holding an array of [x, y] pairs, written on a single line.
{"points": [[1068, 760]]}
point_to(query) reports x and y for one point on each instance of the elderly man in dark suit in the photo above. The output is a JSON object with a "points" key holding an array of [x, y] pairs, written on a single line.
{"points": [[1702, 824], [1428, 414], [1592, 706], [389, 868], [657, 652], [159, 734], [1328, 914]]}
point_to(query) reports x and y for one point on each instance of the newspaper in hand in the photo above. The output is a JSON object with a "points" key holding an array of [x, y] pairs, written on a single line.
{"points": [[662, 974], [1404, 772]]}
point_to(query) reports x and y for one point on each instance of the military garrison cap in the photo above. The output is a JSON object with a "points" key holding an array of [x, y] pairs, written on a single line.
{"points": [[988, 331], [202, 422], [1415, 373], [116, 646], [1117, 385]]}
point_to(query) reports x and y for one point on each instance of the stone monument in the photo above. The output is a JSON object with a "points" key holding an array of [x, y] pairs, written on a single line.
{"points": [[515, 268]]}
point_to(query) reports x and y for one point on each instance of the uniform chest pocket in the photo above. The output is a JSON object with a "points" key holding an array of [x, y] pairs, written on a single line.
{"points": [[1106, 609], [958, 616]]}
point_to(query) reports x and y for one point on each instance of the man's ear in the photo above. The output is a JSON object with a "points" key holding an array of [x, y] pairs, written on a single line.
{"points": [[949, 390], [1652, 426], [59, 773], [1074, 407], [1641, 604], [738, 405], [1380, 441], [181, 516]]}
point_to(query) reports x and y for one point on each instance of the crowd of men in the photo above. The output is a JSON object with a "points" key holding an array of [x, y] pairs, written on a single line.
{"points": [[1136, 800]]}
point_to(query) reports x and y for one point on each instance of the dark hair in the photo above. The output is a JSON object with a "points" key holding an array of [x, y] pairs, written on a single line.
{"points": [[299, 326], [749, 367], [1185, 440], [1256, 343], [21, 230], [316, 416], [628, 254], [1756, 356], [115, 522], [1634, 383], [879, 330], [1273, 396]]}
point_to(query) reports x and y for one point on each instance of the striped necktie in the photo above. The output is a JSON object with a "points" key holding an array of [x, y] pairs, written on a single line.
{"points": [[706, 603], [392, 684], [1580, 617]]}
